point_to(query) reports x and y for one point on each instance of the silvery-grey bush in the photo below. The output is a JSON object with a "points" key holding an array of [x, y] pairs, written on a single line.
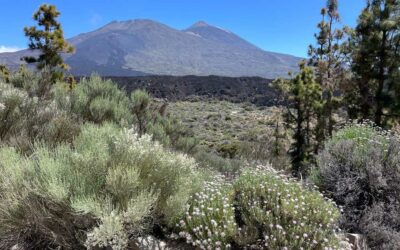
{"points": [[360, 169]]}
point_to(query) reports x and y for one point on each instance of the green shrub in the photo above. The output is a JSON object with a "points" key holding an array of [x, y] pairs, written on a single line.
{"points": [[363, 135], [23, 79], [12, 105], [217, 163], [98, 100], [110, 175], [360, 169], [228, 150], [35, 83], [27, 119], [140, 101], [4, 73], [172, 133], [273, 153]]}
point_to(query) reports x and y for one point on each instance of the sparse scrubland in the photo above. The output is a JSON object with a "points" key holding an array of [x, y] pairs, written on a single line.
{"points": [[88, 177], [237, 131], [88, 165], [77, 176]]}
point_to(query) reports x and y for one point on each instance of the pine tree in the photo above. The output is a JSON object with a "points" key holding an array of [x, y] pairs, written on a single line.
{"points": [[375, 46], [49, 40], [304, 95], [327, 60]]}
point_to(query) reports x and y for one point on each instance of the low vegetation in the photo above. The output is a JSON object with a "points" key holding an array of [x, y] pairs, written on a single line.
{"points": [[360, 169], [101, 180], [123, 182], [236, 131], [88, 166], [260, 210]]}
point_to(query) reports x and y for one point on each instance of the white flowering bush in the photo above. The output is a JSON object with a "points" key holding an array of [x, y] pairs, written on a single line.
{"points": [[209, 222], [260, 209], [287, 215], [364, 134]]}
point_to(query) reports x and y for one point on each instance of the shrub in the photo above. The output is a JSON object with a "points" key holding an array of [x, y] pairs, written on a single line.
{"points": [[360, 169], [4, 73], [111, 176], [27, 119], [12, 105], [284, 213], [209, 221], [98, 100], [261, 152], [37, 84], [260, 210], [217, 163], [23, 78], [172, 133], [140, 101], [228, 150]]}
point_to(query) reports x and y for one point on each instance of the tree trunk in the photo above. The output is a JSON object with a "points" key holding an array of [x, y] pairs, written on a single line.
{"points": [[381, 82]]}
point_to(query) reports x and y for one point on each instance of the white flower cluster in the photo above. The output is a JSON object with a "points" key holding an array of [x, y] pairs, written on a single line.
{"points": [[10, 92], [293, 217], [209, 221], [2, 107]]}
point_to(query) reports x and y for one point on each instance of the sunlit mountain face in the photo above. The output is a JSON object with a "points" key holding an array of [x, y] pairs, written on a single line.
{"points": [[146, 47]]}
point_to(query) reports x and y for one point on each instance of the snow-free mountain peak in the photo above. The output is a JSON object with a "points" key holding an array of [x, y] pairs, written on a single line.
{"points": [[148, 47]]}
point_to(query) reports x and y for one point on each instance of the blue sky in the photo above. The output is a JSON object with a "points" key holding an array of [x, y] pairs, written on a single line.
{"points": [[285, 26]]}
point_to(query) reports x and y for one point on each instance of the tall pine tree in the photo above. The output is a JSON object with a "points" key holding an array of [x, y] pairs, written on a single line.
{"points": [[304, 95], [49, 40], [375, 47], [328, 62]]}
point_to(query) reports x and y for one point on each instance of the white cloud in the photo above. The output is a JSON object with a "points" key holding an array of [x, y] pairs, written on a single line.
{"points": [[8, 48]]}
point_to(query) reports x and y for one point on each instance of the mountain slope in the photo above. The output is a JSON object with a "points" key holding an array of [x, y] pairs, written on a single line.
{"points": [[143, 47]]}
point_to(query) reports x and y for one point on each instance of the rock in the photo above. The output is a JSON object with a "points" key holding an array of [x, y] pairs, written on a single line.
{"points": [[353, 242], [358, 241], [345, 245], [17, 247]]}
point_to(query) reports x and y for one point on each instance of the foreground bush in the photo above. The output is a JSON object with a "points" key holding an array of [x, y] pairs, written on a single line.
{"points": [[110, 186], [260, 210], [25, 119], [210, 221], [283, 212], [360, 170], [33, 109]]}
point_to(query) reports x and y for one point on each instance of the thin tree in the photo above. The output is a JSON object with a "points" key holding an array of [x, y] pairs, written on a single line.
{"points": [[48, 38], [304, 95], [327, 59]]}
